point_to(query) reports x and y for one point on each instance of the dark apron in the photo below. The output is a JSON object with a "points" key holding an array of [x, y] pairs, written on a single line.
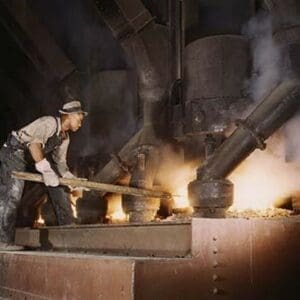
{"points": [[13, 157], [52, 143]]}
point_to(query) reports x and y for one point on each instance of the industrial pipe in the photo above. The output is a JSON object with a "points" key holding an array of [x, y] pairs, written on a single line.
{"points": [[211, 194], [251, 133]]}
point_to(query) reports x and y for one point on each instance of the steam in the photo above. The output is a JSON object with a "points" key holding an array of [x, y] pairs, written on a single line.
{"points": [[175, 175], [265, 178], [274, 174], [267, 57]]}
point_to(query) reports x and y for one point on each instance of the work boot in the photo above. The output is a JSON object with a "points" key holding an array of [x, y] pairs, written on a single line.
{"points": [[10, 247]]}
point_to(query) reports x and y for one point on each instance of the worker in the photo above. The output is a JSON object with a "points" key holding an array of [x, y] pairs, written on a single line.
{"points": [[42, 144]]}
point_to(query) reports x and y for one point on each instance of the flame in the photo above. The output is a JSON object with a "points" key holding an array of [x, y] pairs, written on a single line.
{"points": [[263, 179], [181, 197], [174, 175], [181, 178], [118, 215], [40, 220], [115, 211], [73, 199]]}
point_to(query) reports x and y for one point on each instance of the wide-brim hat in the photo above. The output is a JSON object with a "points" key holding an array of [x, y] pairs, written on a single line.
{"points": [[72, 108]]}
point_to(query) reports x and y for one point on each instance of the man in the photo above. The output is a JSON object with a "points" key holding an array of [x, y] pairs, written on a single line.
{"points": [[46, 140]]}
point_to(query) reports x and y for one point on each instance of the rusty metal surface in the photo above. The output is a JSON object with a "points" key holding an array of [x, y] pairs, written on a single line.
{"points": [[231, 259], [211, 198], [216, 68], [249, 259], [57, 276], [141, 240]]}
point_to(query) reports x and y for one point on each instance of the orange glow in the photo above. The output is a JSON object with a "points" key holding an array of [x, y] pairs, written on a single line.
{"points": [[114, 210], [174, 175], [177, 182], [74, 199], [40, 220], [263, 179], [181, 197]]}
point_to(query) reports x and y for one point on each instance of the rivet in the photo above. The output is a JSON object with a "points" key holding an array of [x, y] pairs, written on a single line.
{"points": [[215, 291], [215, 264], [215, 251], [215, 277], [214, 238]]}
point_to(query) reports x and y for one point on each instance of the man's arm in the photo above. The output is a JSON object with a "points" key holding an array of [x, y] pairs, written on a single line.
{"points": [[59, 156], [42, 165], [36, 151]]}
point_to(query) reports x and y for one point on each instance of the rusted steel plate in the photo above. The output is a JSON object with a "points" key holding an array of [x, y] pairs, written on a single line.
{"points": [[169, 279], [36, 275], [276, 259], [231, 258], [142, 240], [249, 259]]}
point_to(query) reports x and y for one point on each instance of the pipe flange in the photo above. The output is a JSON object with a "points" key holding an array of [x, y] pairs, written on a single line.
{"points": [[248, 126], [210, 198]]}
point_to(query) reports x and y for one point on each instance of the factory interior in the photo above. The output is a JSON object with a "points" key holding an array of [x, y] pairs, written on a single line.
{"points": [[186, 168]]}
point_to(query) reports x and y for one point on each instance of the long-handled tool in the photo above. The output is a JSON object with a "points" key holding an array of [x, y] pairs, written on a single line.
{"points": [[104, 187]]}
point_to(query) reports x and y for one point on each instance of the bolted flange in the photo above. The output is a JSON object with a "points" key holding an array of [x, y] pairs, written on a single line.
{"points": [[210, 198], [139, 209]]}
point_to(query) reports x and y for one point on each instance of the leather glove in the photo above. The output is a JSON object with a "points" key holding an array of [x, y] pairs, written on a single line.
{"points": [[49, 176]]}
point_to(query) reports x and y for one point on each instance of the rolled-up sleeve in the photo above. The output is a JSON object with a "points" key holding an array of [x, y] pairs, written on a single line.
{"points": [[38, 131], [59, 156]]}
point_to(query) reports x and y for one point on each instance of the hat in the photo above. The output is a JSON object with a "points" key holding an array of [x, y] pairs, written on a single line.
{"points": [[72, 108]]}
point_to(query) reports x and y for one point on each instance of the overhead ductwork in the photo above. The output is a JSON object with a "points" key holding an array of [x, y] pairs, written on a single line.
{"points": [[211, 194]]}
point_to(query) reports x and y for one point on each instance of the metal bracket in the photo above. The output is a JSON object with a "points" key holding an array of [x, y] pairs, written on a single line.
{"points": [[248, 126]]}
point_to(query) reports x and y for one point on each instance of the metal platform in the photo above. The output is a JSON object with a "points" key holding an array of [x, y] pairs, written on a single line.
{"points": [[229, 259], [152, 239]]}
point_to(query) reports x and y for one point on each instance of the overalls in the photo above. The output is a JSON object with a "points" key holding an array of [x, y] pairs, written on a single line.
{"points": [[13, 158]]}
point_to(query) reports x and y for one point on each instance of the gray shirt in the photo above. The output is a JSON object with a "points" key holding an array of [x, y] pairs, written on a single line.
{"points": [[39, 131]]}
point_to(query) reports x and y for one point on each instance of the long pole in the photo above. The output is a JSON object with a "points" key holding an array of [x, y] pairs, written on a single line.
{"points": [[104, 187]]}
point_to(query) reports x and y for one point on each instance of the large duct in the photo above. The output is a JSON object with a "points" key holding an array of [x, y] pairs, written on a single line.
{"points": [[216, 66], [271, 114], [251, 133], [147, 43], [276, 109], [215, 70]]}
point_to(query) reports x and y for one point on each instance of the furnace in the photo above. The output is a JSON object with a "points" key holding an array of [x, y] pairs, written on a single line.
{"points": [[189, 162]]}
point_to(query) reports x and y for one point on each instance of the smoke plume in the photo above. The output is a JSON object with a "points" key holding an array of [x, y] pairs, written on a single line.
{"points": [[274, 173]]}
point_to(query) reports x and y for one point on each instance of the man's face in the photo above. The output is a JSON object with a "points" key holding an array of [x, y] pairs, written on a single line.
{"points": [[75, 121]]}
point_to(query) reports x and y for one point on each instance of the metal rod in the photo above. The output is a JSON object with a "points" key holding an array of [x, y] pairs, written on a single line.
{"points": [[176, 39], [96, 186]]}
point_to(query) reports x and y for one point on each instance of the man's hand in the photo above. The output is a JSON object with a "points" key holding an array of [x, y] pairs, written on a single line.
{"points": [[75, 191], [69, 175], [49, 176]]}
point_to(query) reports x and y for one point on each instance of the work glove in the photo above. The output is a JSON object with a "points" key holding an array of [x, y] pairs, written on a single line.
{"points": [[75, 191], [69, 175], [49, 176]]}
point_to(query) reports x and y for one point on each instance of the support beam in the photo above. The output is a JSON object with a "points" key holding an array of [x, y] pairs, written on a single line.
{"points": [[34, 40]]}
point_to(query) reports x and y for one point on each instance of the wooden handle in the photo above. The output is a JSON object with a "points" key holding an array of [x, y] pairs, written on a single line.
{"points": [[104, 187]]}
